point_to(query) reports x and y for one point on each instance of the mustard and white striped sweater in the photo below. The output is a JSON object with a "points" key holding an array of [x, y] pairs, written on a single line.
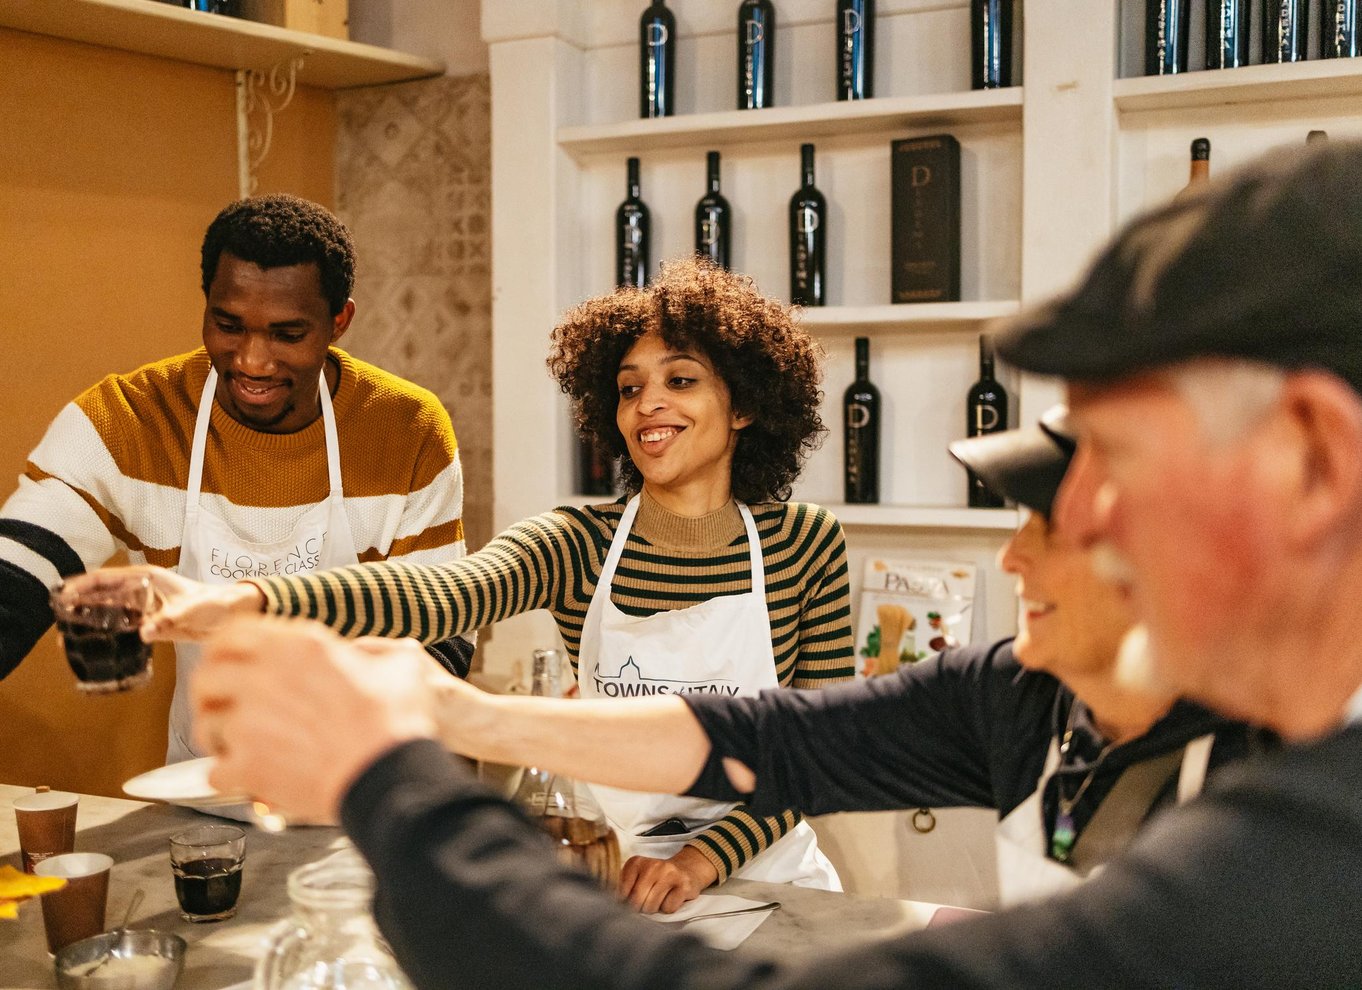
{"points": [[111, 472]]}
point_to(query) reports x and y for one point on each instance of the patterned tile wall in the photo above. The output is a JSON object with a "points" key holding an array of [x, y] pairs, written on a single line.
{"points": [[414, 184]]}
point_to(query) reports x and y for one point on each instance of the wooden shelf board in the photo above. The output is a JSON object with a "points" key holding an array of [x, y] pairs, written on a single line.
{"points": [[796, 123], [152, 28], [907, 316], [1250, 84]]}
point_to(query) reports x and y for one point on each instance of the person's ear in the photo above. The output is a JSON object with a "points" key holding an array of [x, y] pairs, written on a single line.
{"points": [[341, 321], [1323, 458], [741, 421]]}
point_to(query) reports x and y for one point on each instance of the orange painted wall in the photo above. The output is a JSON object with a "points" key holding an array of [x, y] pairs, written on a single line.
{"points": [[111, 167]]}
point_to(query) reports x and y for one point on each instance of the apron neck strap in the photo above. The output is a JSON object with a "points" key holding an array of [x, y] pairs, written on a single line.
{"points": [[612, 558], [194, 488]]}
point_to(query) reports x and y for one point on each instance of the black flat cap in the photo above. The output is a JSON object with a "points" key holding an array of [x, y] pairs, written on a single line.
{"points": [[1265, 264], [1024, 465]]}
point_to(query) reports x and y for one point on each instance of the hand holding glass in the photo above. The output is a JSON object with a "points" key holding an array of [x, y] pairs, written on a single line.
{"points": [[99, 628]]}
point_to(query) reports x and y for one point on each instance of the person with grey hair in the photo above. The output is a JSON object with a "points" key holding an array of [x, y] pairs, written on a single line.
{"points": [[1232, 515]]}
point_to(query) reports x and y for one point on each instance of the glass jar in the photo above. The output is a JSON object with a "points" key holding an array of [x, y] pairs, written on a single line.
{"points": [[330, 941]]}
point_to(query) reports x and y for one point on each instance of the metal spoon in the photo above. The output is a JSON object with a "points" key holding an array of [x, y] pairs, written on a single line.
{"points": [[127, 916]]}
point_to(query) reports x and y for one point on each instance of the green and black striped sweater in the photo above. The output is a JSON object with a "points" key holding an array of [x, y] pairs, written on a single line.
{"points": [[670, 562]]}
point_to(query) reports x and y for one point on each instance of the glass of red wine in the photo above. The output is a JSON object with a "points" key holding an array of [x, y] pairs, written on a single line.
{"points": [[99, 631], [207, 862]]}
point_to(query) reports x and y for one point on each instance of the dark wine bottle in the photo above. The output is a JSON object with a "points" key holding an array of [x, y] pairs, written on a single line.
{"points": [[1317, 137], [595, 473], [756, 54], [855, 49], [991, 43], [713, 218], [657, 61], [861, 422], [631, 234], [1284, 30], [985, 412], [1200, 168], [1227, 34], [1339, 36], [1166, 31], [808, 233]]}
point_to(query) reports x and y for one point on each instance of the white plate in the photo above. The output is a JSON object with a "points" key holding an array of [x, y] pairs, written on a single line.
{"points": [[179, 783]]}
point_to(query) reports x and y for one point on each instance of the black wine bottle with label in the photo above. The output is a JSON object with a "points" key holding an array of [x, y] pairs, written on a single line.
{"points": [[1339, 35], [990, 43], [657, 61], [861, 424], [632, 234], [713, 218], [1284, 30], [985, 412], [1227, 33], [756, 54], [855, 49], [1166, 33], [808, 233]]}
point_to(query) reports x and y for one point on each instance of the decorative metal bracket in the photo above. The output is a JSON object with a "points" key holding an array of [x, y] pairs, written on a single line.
{"points": [[259, 96]]}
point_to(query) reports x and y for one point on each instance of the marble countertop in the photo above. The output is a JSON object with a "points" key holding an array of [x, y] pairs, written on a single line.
{"points": [[223, 954]]}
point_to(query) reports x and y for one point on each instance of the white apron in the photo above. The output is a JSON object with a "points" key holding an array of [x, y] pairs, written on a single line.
{"points": [[1025, 872], [721, 646], [211, 551]]}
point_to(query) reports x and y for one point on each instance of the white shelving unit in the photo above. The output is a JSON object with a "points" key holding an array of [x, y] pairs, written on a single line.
{"points": [[971, 317], [153, 28]]}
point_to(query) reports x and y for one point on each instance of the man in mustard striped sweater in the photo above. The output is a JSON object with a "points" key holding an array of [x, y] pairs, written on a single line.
{"points": [[267, 451]]}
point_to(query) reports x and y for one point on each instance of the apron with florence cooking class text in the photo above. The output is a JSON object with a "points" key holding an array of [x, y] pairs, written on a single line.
{"points": [[721, 646], [212, 552]]}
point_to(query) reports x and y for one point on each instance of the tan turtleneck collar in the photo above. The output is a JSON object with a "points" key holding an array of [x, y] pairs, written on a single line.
{"points": [[663, 528]]}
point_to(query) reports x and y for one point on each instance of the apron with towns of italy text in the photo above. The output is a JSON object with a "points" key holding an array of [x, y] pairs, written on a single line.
{"points": [[722, 645]]}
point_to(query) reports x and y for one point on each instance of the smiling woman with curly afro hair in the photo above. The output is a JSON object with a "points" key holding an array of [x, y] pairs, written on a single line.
{"points": [[771, 367]]}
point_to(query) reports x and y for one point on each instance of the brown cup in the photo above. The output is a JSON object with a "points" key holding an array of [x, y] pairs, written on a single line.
{"points": [[47, 825], [77, 910]]}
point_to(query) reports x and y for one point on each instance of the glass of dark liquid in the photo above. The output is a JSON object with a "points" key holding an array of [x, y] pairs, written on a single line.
{"points": [[207, 862], [99, 630]]}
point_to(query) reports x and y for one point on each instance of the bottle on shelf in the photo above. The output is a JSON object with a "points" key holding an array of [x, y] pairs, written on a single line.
{"points": [[855, 49], [713, 218], [632, 234], [1200, 168], [756, 54], [1284, 30], [1339, 36], [1227, 34], [1166, 32], [985, 412], [808, 234], [1317, 137], [657, 61], [861, 425], [595, 473], [991, 43]]}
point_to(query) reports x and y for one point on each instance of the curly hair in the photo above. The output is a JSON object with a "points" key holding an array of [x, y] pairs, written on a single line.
{"points": [[771, 366], [277, 230]]}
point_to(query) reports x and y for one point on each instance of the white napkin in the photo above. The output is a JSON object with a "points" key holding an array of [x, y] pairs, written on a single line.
{"points": [[722, 933]]}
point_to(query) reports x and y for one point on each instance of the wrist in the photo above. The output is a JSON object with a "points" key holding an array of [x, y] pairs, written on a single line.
{"points": [[248, 598]]}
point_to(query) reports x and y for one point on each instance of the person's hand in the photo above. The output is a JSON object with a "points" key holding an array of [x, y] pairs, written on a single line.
{"points": [[187, 609], [294, 713], [653, 885]]}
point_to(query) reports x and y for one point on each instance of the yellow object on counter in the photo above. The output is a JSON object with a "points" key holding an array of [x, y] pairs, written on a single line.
{"points": [[16, 887]]}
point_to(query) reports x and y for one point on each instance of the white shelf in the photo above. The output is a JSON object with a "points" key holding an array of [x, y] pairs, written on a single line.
{"points": [[906, 317], [796, 123], [924, 516], [1250, 84], [151, 28], [899, 516]]}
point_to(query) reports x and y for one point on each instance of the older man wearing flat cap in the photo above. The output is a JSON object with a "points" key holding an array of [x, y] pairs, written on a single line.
{"points": [[1214, 361]]}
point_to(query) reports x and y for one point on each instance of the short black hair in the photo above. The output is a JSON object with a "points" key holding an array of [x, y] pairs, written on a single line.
{"points": [[277, 230]]}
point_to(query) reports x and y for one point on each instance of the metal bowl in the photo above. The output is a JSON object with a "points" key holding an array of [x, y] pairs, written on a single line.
{"points": [[139, 960]]}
